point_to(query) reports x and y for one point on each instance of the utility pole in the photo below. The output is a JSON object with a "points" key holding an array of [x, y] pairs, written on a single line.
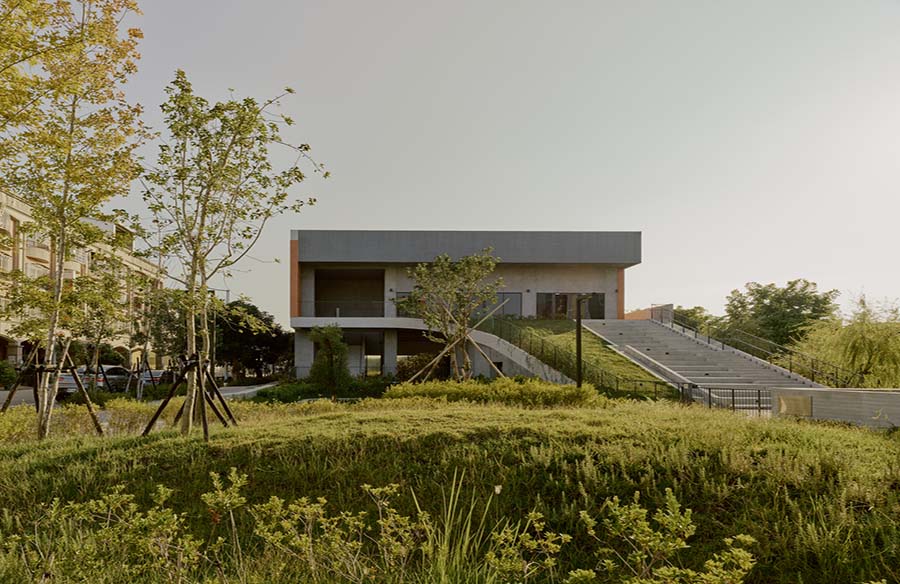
{"points": [[578, 375]]}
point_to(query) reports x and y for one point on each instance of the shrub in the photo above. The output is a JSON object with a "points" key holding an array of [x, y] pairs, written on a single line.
{"points": [[527, 392], [287, 392], [411, 365], [329, 369], [293, 391], [7, 375]]}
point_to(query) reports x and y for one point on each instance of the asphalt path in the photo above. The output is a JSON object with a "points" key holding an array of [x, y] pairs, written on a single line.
{"points": [[25, 395]]}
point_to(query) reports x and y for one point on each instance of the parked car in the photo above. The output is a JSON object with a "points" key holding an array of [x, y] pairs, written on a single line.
{"points": [[67, 383], [157, 376], [117, 377], [115, 374]]}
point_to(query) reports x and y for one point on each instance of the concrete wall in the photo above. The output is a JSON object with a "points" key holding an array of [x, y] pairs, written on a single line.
{"points": [[622, 248], [876, 408]]}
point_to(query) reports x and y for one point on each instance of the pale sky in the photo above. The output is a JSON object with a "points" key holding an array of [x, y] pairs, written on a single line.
{"points": [[748, 141]]}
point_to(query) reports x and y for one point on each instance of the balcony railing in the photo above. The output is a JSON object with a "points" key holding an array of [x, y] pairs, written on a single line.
{"points": [[35, 242], [347, 308], [5, 223], [6, 263], [36, 271]]}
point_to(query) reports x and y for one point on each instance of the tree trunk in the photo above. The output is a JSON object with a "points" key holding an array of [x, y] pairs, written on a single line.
{"points": [[187, 418], [45, 393]]}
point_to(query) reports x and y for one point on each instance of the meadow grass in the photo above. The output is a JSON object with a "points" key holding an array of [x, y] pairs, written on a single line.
{"points": [[821, 501], [594, 350]]}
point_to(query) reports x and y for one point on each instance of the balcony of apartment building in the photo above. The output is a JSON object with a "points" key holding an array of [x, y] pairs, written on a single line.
{"points": [[37, 250], [6, 262], [6, 223], [349, 298], [33, 270], [349, 293]]}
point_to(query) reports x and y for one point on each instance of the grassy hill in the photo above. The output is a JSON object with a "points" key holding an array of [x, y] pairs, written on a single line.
{"points": [[593, 348], [822, 502]]}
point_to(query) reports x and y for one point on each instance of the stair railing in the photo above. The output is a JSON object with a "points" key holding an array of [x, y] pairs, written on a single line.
{"points": [[562, 358], [815, 369]]}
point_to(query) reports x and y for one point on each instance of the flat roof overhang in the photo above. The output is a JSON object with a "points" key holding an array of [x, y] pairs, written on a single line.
{"points": [[616, 248]]}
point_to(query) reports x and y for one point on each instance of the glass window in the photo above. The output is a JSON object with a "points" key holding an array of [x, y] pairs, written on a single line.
{"points": [[544, 305]]}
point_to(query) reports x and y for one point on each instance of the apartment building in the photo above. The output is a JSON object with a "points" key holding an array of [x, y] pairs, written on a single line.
{"points": [[353, 278], [32, 256]]}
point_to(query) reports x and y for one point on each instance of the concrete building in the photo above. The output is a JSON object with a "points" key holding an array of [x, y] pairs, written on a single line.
{"points": [[32, 256], [353, 278]]}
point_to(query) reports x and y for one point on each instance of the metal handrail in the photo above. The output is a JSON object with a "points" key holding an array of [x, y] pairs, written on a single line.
{"points": [[839, 376], [562, 359]]}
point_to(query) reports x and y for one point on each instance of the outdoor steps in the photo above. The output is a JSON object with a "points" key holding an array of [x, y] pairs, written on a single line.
{"points": [[704, 363]]}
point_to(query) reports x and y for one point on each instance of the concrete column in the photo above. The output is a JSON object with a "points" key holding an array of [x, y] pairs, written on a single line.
{"points": [[304, 352], [389, 364], [529, 302], [390, 292]]}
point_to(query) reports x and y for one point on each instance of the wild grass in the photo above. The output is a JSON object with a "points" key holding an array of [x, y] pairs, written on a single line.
{"points": [[822, 502], [523, 392], [594, 350]]}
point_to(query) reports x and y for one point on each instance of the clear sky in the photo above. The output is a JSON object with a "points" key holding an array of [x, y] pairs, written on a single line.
{"points": [[748, 141]]}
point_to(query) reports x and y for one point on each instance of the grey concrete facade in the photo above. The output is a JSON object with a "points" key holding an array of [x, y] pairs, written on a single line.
{"points": [[874, 408], [615, 248], [534, 266]]}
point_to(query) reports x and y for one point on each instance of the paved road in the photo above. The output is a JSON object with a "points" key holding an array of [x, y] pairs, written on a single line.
{"points": [[24, 395]]}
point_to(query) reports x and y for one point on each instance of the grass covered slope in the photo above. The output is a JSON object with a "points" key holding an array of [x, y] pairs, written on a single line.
{"points": [[822, 502], [595, 351]]}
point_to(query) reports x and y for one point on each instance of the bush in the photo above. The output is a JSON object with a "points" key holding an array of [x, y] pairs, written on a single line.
{"points": [[329, 369], [7, 375], [286, 393], [524, 392], [293, 391], [411, 365]]}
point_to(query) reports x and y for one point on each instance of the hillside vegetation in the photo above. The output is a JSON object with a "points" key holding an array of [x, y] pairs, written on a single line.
{"points": [[562, 332], [821, 502]]}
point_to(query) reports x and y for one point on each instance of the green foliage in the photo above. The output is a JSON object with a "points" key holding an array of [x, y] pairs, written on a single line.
{"points": [[7, 374], [779, 314], [817, 498], [329, 369], [250, 339], [644, 553], [411, 365], [292, 391], [562, 333], [867, 344], [447, 295], [524, 392]]}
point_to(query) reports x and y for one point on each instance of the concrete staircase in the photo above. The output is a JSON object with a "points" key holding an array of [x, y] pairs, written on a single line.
{"points": [[723, 375]]}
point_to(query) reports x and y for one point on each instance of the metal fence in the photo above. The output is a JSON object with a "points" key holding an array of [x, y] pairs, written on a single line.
{"points": [[753, 401], [563, 359]]}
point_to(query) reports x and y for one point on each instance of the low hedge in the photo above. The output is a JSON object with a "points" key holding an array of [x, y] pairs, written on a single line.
{"points": [[523, 392]]}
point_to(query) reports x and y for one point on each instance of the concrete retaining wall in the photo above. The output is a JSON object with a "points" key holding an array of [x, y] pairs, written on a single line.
{"points": [[866, 407]]}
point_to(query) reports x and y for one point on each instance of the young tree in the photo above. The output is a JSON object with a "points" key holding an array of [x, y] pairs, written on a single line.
{"points": [[212, 192], [779, 314], [447, 294], [329, 369], [74, 150]]}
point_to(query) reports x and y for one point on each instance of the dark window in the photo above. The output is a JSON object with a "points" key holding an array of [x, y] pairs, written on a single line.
{"points": [[596, 306], [544, 305]]}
